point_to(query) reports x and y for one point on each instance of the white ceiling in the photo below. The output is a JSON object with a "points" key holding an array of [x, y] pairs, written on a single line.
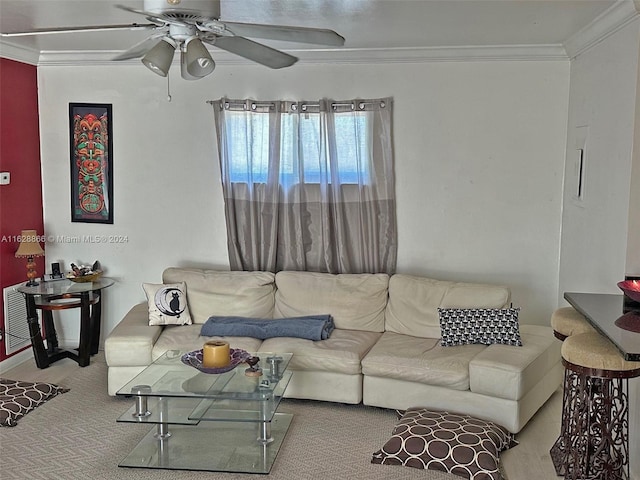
{"points": [[366, 24]]}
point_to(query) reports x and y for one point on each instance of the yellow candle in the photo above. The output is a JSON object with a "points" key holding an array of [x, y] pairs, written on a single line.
{"points": [[215, 354]]}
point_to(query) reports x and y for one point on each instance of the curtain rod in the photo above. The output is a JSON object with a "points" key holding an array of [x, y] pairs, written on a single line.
{"points": [[361, 104]]}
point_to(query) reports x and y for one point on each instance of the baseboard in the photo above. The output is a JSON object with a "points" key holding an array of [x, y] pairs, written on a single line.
{"points": [[15, 360], [25, 355]]}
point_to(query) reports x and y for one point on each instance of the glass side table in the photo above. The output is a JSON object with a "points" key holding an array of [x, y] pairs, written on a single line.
{"points": [[64, 295]]}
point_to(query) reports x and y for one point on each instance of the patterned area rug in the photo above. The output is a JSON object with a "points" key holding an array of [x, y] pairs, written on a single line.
{"points": [[76, 436]]}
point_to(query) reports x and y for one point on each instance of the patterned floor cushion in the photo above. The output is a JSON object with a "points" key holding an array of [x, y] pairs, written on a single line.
{"points": [[458, 444], [19, 398]]}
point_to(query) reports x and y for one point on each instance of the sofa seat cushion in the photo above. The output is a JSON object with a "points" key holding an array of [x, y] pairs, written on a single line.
{"points": [[212, 292], [421, 360], [186, 338], [510, 372], [414, 301], [355, 301], [340, 353]]}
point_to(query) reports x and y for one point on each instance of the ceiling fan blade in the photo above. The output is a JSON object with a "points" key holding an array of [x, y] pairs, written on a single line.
{"points": [[100, 28], [139, 49], [318, 36], [152, 17], [251, 50]]}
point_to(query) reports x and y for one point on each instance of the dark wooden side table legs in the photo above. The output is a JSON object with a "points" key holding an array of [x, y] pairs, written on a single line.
{"points": [[86, 334], [39, 352], [90, 323], [64, 295], [96, 323]]}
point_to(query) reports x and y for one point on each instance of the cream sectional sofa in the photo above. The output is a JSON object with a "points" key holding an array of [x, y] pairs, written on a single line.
{"points": [[384, 351]]}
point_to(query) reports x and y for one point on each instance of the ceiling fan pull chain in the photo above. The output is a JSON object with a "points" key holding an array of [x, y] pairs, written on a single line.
{"points": [[168, 90]]}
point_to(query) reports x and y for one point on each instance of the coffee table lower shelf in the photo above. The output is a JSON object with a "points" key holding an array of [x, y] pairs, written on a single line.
{"points": [[214, 446]]}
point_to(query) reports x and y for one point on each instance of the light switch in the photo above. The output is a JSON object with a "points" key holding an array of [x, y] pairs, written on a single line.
{"points": [[5, 178]]}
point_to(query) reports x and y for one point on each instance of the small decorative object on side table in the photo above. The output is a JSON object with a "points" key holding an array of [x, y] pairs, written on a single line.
{"points": [[254, 370], [630, 321], [84, 274], [274, 368], [631, 290]]}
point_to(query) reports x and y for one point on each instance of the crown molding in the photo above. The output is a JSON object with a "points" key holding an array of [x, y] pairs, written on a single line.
{"points": [[19, 54], [610, 21], [435, 54], [342, 56]]}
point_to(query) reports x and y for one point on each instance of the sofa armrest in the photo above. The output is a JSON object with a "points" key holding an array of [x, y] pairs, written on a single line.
{"points": [[131, 342]]}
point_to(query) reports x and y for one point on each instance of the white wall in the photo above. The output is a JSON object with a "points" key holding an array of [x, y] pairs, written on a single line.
{"points": [[602, 99], [600, 236], [479, 150], [633, 243]]}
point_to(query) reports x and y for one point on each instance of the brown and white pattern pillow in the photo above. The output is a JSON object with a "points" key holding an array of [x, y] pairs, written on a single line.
{"points": [[19, 398], [455, 443]]}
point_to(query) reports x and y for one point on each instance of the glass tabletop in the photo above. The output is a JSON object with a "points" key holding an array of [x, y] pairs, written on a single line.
{"points": [[61, 287], [604, 312], [195, 395]]}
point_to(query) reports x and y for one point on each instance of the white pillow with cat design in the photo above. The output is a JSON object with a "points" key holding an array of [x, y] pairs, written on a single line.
{"points": [[167, 303]]}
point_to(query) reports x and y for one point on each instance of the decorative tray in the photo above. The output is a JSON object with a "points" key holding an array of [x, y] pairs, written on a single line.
{"points": [[89, 277], [194, 359]]}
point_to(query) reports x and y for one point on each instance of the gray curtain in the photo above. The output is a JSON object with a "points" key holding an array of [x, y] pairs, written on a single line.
{"points": [[308, 185]]}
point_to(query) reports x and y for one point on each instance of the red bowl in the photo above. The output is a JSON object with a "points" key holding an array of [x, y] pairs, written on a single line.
{"points": [[631, 289]]}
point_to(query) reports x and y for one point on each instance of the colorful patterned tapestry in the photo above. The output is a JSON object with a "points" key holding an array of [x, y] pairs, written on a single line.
{"points": [[91, 164]]}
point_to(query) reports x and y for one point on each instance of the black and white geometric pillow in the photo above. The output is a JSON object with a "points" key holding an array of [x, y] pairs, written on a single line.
{"points": [[464, 326]]}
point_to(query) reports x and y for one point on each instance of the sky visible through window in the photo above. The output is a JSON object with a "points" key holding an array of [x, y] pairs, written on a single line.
{"points": [[303, 145]]}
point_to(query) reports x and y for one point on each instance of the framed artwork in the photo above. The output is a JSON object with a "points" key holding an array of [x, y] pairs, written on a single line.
{"points": [[90, 133]]}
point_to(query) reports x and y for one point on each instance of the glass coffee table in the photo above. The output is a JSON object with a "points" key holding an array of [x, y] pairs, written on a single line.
{"points": [[224, 422]]}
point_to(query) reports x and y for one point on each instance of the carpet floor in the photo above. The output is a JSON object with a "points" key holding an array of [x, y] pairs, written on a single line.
{"points": [[76, 436]]}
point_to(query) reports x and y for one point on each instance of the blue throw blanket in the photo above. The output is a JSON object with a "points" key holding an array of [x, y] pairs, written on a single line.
{"points": [[312, 327]]}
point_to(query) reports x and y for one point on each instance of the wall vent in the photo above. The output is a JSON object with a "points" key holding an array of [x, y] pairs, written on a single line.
{"points": [[16, 329]]}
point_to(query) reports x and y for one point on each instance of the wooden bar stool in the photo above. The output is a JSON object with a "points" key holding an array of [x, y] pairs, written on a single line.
{"points": [[566, 321], [595, 424]]}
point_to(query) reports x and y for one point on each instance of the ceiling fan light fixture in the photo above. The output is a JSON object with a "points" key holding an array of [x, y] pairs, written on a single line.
{"points": [[196, 59], [159, 58], [184, 73]]}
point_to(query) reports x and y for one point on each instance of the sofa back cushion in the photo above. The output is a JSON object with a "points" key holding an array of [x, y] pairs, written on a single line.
{"points": [[355, 301], [413, 303], [213, 292]]}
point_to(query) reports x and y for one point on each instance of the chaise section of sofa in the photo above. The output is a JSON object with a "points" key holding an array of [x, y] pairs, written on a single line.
{"points": [[408, 366], [506, 384]]}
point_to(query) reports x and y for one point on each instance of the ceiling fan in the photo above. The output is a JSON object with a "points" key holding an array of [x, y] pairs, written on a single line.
{"points": [[185, 25]]}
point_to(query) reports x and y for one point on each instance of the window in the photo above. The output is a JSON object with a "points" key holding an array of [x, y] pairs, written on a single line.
{"points": [[248, 137], [308, 186]]}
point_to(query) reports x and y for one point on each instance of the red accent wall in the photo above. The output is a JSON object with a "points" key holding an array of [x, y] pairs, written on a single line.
{"points": [[21, 200]]}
